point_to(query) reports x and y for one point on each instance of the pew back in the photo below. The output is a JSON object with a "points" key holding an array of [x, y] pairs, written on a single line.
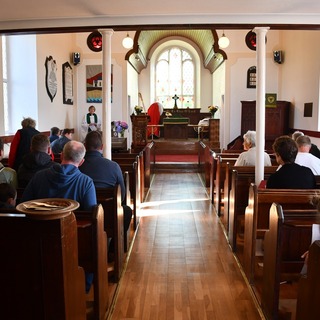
{"points": [[309, 287], [110, 199], [92, 246], [288, 237], [257, 216], [39, 269], [238, 180]]}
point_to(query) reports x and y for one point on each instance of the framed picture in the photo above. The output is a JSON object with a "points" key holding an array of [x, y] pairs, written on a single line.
{"points": [[251, 77], [67, 83], [94, 83]]}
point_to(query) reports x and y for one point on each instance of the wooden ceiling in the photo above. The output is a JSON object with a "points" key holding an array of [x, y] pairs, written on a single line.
{"points": [[206, 40]]}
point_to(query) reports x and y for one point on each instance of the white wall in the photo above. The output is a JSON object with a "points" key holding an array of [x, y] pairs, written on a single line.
{"points": [[54, 113], [300, 75], [240, 59]]}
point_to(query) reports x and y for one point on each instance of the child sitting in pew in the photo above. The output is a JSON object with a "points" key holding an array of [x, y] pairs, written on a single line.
{"points": [[8, 196]]}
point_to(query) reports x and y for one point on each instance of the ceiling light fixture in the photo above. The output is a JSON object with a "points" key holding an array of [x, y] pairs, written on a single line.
{"points": [[223, 41], [127, 42]]}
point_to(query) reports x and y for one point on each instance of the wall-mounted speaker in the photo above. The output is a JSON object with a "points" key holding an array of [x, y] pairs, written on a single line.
{"points": [[277, 56], [76, 58]]}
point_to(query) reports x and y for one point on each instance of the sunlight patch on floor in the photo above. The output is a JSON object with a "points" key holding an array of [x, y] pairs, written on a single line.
{"points": [[161, 202], [162, 212]]}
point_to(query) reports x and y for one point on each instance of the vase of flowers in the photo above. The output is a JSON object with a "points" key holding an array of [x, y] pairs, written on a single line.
{"points": [[138, 110], [119, 127], [213, 110]]}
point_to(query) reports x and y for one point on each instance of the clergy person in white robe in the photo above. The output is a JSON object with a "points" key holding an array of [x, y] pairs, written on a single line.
{"points": [[90, 122]]}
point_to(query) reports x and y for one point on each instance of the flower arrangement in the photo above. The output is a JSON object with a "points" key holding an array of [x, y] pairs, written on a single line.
{"points": [[213, 110], [119, 126], [138, 109]]}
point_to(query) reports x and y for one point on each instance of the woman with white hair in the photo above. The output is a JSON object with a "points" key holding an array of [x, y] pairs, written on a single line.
{"points": [[248, 157]]}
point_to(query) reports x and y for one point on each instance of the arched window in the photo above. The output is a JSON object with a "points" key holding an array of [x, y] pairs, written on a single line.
{"points": [[175, 75]]}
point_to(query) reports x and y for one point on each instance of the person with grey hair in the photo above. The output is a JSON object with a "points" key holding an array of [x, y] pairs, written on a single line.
{"points": [[7, 174], [21, 142], [304, 157], [313, 150], [248, 157], [65, 180]]}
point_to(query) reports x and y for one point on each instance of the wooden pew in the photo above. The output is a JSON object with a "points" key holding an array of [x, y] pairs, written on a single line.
{"points": [[205, 163], [39, 269], [309, 287], [126, 179], [288, 237], [257, 217], [221, 165], [110, 199], [135, 171], [92, 246], [238, 180]]}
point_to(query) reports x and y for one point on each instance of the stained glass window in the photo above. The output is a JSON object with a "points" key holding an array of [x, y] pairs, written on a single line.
{"points": [[175, 75]]}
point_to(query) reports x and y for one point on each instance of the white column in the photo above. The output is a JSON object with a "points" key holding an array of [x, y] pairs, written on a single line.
{"points": [[260, 101], [106, 91]]}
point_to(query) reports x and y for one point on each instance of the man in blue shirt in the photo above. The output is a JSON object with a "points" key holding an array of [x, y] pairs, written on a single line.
{"points": [[65, 180], [58, 144], [104, 172]]}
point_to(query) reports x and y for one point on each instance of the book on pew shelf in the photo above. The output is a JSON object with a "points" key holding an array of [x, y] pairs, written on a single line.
{"points": [[262, 184]]}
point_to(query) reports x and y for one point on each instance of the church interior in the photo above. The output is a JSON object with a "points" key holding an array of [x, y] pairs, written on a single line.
{"points": [[206, 240]]}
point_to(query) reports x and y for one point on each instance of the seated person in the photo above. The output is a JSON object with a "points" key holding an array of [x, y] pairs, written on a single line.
{"points": [[313, 150], [57, 145], [248, 158], [304, 157], [7, 175], [35, 160], [21, 142], [54, 134], [105, 173], [155, 111], [289, 175], [65, 181], [8, 196]]}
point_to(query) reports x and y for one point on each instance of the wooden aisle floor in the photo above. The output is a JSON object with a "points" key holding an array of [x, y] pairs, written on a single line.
{"points": [[180, 265]]}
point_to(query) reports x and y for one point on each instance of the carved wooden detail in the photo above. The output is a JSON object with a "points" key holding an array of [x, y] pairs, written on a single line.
{"points": [[139, 131]]}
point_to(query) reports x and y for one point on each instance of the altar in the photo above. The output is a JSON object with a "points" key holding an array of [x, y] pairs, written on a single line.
{"points": [[176, 128]]}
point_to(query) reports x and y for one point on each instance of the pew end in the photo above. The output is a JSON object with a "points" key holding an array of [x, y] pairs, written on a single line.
{"points": [[110, 199], [40, 275], [92, 246]]}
